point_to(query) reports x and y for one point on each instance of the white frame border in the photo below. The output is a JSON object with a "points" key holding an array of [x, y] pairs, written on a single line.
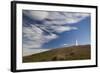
{"points": [[36, 65]]}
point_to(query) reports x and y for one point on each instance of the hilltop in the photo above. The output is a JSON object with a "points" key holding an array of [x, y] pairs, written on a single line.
{"points": [[80, 52]]}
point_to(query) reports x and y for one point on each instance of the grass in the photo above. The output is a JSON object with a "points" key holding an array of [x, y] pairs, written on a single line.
{"points": [[81, 52]]}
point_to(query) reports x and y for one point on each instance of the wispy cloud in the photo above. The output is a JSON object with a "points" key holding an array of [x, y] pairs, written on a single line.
{"points": [[60, 18], [33, 37], [56, 17], [60, 29]]}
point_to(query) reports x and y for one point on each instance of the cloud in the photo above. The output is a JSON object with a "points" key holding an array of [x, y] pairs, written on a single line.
{"points": [[33, 37], [60, 29], [27, 51], [61, 18], [37, 15], [36, 35], [75, 17], [65, 44]]}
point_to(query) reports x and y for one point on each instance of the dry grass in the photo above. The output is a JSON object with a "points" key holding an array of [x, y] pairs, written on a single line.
{"points": [[60, 54]]}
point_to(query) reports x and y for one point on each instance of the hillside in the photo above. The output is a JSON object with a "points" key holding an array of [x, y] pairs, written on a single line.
{"points": [[60, 54]]}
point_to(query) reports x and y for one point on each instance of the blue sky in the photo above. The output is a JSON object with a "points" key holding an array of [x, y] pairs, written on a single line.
{"points": [[47, 30]]}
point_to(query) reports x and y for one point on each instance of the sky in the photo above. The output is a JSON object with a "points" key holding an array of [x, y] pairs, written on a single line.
{"points": [[46, 30]]}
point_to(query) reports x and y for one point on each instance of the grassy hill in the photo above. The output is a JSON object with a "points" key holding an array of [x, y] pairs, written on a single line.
{"points": [[80, 52]]}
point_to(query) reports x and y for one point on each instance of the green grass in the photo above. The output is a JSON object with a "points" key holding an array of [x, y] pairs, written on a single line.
{"points": [[81, 52]]}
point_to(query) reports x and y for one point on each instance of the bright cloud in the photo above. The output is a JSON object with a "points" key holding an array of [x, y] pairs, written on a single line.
{"points": [[37, 15], [60, 29], [75, 17], [65, 44]]}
